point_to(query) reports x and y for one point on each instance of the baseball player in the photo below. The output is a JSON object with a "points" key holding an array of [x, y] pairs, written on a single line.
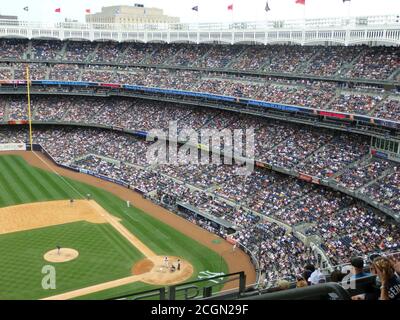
{"points": [[178, 267], [71, 202], [128, 203], [166, 261], [58, 249]]}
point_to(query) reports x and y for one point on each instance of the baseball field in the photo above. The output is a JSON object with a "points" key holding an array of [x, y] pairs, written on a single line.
{"points": [[96, 246]]}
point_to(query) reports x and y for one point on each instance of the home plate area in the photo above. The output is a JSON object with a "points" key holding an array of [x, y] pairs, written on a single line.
{"points": [[153, 270]]}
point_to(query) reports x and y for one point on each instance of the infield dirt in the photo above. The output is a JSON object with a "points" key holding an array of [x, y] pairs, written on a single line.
{"points": [[46, 214]]}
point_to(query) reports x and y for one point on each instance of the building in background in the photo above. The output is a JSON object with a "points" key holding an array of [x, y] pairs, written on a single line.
{"points": [[136, 14], [3, 17], [8, 20]]}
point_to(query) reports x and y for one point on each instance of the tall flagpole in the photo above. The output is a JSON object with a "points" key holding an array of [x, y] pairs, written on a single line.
{"points": [[28, 83]]}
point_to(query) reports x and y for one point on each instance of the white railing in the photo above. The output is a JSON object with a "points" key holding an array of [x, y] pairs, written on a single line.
{"points": [[371, 21], [342, 30]]}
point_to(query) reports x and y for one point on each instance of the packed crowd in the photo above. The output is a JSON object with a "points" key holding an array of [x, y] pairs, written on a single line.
{"points": [[328, 61], [355, 231], [354, 62], [37, 71], [319, 153], [12, 48], [46, 50], [6, 73], [314, 94], [375, 63], [336, 155], [389, 109], [363, 172], [309, 93], [65, 72], [280, 254], [108, 52], [386, 190], [355, 103], [345, 227]]}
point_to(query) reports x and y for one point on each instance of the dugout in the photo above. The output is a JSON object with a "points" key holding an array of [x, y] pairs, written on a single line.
{"points": [[221, 225]]}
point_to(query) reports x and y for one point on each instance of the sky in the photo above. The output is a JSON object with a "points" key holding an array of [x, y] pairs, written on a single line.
{"points": [[209, 10]]}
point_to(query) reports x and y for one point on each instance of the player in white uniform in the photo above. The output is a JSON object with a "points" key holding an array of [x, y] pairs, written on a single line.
{"points": [[166, 262]]}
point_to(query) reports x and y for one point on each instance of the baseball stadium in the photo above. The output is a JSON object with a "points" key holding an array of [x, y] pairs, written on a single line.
{"points": [[111, 189]]}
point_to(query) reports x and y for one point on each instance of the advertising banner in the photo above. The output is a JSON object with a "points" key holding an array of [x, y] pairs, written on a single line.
{"points": [[12, 147], [17, 122], [305, 177], [263, 165], [332, 114]]}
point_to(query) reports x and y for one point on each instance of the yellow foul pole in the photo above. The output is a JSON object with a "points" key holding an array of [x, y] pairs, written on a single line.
{"points": [[28, 84]]}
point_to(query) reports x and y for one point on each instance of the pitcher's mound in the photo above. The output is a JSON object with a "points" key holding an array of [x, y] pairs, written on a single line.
{"points": [[154, 271], [66, 254]]}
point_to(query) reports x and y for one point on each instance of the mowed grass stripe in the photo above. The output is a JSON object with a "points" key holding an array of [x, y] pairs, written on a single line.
{"points": [[42, 178], [107, 201], [11, 185], [163, 242], [144, 229], [158, 236], [5, 196], [40, 185], [154, 233], [37, 187], [121, 244], [57, 185], [5, 181], [24, 184]]}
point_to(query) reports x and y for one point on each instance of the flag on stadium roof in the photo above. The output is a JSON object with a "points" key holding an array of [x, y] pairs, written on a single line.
{"points": [[301, 2], [26, 8], [230, 7], [345, 1], [87, 11], [58, 10], [195, 8], [267, 8]]}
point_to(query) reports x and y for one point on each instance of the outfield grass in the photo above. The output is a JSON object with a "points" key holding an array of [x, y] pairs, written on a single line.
{"points": [[104, 254], [99, 259]]}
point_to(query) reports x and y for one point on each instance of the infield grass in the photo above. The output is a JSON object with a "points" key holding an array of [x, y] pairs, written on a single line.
{"points": [[104, 254]]}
